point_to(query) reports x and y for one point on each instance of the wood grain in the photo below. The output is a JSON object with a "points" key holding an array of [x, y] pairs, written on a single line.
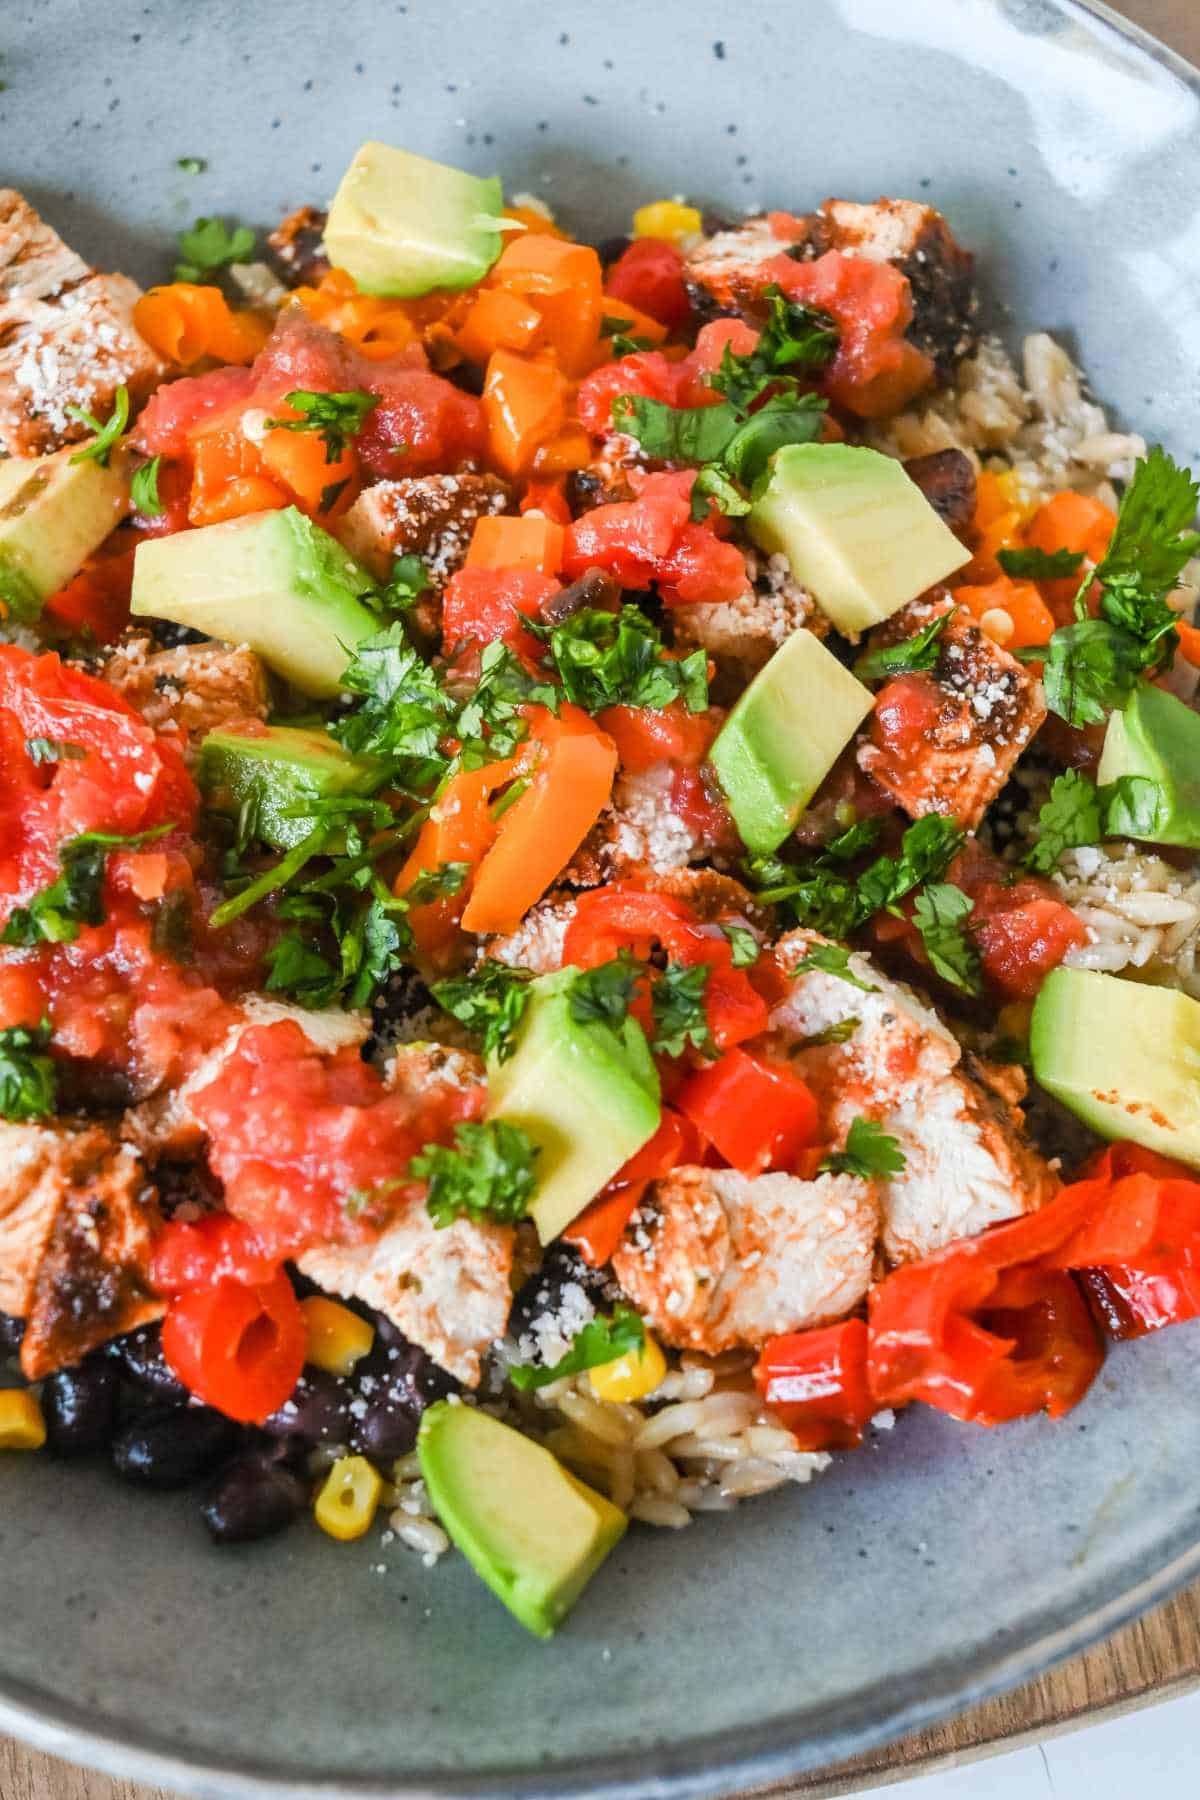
{"points": [[1148, 1661]]}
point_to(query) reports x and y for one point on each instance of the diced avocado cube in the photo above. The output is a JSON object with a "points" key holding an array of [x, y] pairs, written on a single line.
{"points": [[1122, 1056], [528, 1527], [53, 514], [279, 770], [857, 531], [402, 225], [1156, 742], [586, 1094], [272, 580], [783, 737]]}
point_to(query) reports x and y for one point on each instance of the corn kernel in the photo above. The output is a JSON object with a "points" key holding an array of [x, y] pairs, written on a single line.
{"points": [[337, 1337], [21, 1424], [632, 1376], [668, 219], [997, 624], [348, 1498]]}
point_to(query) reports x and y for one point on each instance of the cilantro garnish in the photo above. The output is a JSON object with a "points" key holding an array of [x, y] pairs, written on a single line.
{"points": [[1069, 817], [677, 1002], [490, 1002], [108, 435], [1040, 565], [622, 344], [408, 580], [27, 1075], [837, 1033], [191, 165], [794, 336], [696, 434], [336, 417], [143, 489], [404, 711], [745, 946], [824, 899], [926, 849], [869, 1153], [940, 914], [296, 968], [603, 995], [489, 1174], [916, 653], [76, 898], [1093, 665], [209, 246], [441, 883], [52, 750], [712, 483], [831, 959], [600, 1341], [1133, 806], [618, 659]]}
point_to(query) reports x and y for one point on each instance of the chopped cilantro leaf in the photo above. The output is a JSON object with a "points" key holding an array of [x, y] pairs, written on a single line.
{"points": [[408, 580], [695, 434], [490, 1002], [784, 419], [404, 713], [299, 970], [618, 659], [677, 1002], [837, 1033], [1132, 806], [862, 835], [600, 1341], [925, 850], [143, 489], [831, 959], [336, 417], [916, 653], [441, 883], [712, 484], [745, 946], [869, 1153], [1069, 817], [108, 435], [28, 1081], [940, 915], [488, 1174], [209, 246], [191, 165], [1039, 565], [603, 994], [52, 750], [76, 898], [795, 336]]}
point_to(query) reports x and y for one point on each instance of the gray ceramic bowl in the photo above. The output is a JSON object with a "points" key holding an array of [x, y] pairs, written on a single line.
{"points": [[944, 1561]]}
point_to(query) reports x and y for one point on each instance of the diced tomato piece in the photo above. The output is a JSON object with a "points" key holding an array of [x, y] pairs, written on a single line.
{"points": [[646, 735], [422, 422], [700, 568], [649, 274], [238, 1347], [757, 1115], [697, 800], [177, 410], [1020, 944], [906, 710], [876, 370], [302, 353], [599, 1228], [96, 601], [815, 1382], [652, 538], [486, 605], [646, 373], [714, 339], [196, 1254]]}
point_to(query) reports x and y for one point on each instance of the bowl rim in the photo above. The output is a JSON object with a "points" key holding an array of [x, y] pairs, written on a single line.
{"points": [[725, 1762]]}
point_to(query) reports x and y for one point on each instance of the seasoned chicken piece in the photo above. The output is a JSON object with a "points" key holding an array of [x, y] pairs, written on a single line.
{"points": [[967, 1165], [298, 246], [915, 239], [724, 272], [741, 635], [165, 1126], [537, 943], [431, 516], [714, 897], [946, 741], [640, 831], [715, 1261], [447, 1290], [67, 337], [947, 480], [77, 1220], [190, 690]]}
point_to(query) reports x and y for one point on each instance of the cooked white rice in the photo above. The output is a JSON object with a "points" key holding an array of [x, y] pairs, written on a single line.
{"points": [[1142, 915]]}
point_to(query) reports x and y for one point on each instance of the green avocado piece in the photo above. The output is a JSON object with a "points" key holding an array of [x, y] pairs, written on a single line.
{"points": [[587, 1095], [1156, 742], [279, 770], [272, 580], [53, 514], [402, 225], [1122, 1056], [857, 531], [527, 1526], [783, 737]]}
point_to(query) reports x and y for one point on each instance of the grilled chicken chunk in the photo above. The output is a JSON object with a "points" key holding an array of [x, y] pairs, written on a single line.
{"points": [[77, 1220], [714, 1260], [298, 245], [741, 635], [640, 832], [947, 480], [724, 272], [67, 337], [966, 1166], [977, 710], [190, 690]]}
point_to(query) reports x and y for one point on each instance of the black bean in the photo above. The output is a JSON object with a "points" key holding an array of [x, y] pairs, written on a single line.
{"points": [[318, 1411], [542, 1293], [80, 1407], [612, 249], [254, 1496], [11, 1332], [168, 635], [172, 1446], [140, 1356]]}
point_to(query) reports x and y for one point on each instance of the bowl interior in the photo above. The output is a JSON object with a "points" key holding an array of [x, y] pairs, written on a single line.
{"points": [[940, 1560]]}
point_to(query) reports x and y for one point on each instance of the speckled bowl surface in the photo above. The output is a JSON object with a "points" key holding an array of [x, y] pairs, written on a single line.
{"points": [[943, 1561]]}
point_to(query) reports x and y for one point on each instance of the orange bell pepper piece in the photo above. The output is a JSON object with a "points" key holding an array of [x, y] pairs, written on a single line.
{"points": [[538, 835], [460, 828], [634, 324], [22, 1001], [564, 282], [1189, 642], [547, 496], [571, 449], [1071, 521], [498, 321], [524, 405], [528, 541], [228, 479], [296, 459], [185, 322], [1032, 620]]}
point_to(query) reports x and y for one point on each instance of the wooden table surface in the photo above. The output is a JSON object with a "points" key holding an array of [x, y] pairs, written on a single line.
{"points": [[1155, 1658]]}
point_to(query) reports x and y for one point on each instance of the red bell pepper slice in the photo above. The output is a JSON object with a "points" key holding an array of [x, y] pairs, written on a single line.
{"points": [[599, 1228], [756, 1114], [191, 1255], [1144, 1214], [238, 1346], [1129, 1304], [815, 1382]]}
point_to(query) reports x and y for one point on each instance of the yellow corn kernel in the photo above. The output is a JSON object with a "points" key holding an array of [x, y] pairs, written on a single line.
{"points": [[632, 1376], [337, 1337], [21, 1424], [668, 219], [348, 1498]]}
